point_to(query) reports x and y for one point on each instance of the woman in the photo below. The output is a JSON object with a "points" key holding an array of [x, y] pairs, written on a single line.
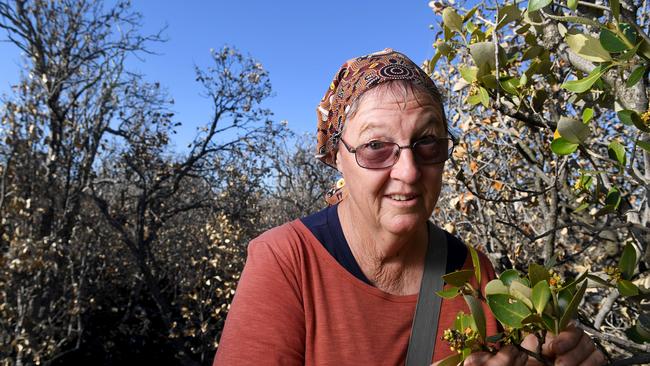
{"points": [[341, 286]]}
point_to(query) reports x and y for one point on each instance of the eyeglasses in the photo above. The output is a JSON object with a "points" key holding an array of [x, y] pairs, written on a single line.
{"points": [[384, 154]]}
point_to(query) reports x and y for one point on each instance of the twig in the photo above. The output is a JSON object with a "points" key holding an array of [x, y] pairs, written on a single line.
{"points": [[641, 359], [610, 338]]}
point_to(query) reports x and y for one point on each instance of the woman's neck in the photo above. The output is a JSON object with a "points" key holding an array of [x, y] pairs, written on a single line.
{"points": [[393, 263]]}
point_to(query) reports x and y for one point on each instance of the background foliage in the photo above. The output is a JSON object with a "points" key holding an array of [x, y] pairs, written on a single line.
{"points": [[115, 247]]}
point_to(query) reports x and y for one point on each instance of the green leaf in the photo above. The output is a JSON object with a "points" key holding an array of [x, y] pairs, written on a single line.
{"points": [[449, 293], [572, 4], [468, 73], [507, 310], [507, 14], [532, 319], [572, 308], [634, 334], [483, 55], [562, 146], [496, 287], [616, 151], [587, 115], [464, 321], [635, 76], [477, 312], [476, 263], [628, 261], [627, 288], [582, 85], [629, 32], [610, 41], [630, 117], [458, 278], [612, 201], [535, 5], [510, 85], [485, 97], [549, 322], [537, 273], [599, 280], [582, 207], [616, 9], [521, 296], [541, 295], [470, 13], [452, 20], [495, 338], [588, 47], [574, 19], [434, 61], [474, 99], [571, 284], [508, 276], [453, 360], [644, 145], [573, 130]]}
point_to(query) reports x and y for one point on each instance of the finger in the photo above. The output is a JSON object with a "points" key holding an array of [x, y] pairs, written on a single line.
{"points": [[508, 355], [596, 358], [477, 358], [582, 351], [567, 340]]}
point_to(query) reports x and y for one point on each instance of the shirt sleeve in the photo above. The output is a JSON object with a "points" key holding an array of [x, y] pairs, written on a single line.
{"points": [[266, 321]]}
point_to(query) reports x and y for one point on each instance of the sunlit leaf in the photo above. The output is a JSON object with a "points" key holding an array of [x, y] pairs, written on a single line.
{"points": [[587, 47], [587, 115], [541, 296], [496, 287], [562, 146], [611, 42], [537, 273], [635, 76], [452, 20], [453, 360], [508, 276], [458, 278], [582, 85], [573, 130], [449, 293], [535, 5], [616, 151], [476, 263]]}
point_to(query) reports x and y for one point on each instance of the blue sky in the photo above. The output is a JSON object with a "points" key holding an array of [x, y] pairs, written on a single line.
{"points": [[300, 43]]}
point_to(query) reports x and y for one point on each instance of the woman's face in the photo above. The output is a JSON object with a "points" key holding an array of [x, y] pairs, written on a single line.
{"points": [[400, 198]]}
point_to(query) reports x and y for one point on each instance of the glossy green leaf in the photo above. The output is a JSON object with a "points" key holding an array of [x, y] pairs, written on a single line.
{"points": [[458, 278], [627, 262], [635, 76], [468, 73], [452, 20], [474, 99], [508, 276], [496, 287], [477, 313], [562, 146], [537, 273], [507, 310], [634, 334], [549, 322], [616, 151], [453, 360], [599, 280], [611, 42], [532, 318], [572, 308], [510, 85], [470, 13], [485, 97], [587, 47], [476, 263], [572, 284], [625, 116], [449, 293], [582, 85], [644, 145], [541, 296], [495, 338], [464, 321], [573, 130], [587, 115], [629, 32], [515, 293], [572, 4], [434, 61], [535, 5], [627, 288]]}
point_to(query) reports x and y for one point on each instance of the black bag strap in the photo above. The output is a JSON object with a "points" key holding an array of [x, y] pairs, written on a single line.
{"points": [[425, 323]]}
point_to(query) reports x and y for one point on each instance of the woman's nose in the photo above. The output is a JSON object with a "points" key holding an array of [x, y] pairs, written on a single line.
{"points": [[406, 168]]}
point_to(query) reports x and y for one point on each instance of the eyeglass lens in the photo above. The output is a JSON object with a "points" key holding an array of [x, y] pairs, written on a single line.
{"points": [[380, 154]]}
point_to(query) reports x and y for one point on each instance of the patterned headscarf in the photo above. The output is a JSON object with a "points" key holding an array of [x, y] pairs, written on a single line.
{"points": [[354, 78]]}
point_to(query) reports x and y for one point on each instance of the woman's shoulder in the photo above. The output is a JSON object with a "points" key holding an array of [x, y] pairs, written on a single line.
{"points": [[287, 241]]}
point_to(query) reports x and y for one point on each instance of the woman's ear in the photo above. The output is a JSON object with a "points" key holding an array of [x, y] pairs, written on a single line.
{"points": [[337, 161]]}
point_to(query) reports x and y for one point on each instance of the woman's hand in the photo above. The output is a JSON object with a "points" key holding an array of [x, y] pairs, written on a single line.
{"points": [[570, 347], [507, 356]]}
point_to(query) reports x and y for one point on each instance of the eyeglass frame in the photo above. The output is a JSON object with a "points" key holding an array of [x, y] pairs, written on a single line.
{"points": [[450, 150]]}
